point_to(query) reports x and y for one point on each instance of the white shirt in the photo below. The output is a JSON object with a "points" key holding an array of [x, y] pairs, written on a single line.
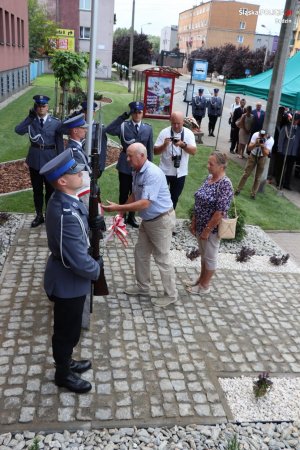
{"points": [[166, 164], [233, 107], [256, 151]]}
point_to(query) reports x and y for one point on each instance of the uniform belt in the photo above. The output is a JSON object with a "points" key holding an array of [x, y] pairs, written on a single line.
{"points": [[160, 215], [44, 147]]}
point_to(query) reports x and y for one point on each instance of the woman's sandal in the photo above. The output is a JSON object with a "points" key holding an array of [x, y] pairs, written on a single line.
{"points": [[198, 289], [190, 281]]}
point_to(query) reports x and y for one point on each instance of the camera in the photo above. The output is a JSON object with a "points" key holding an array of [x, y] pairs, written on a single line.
{"points": [[261, 140], [176, 159], [175, 140]]}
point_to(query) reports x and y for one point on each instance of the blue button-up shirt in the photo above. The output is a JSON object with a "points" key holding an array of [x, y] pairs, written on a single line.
{"points": [[149, 183]]}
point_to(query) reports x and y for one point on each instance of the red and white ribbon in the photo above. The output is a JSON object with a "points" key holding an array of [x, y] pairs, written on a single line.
{"points": [[118, 228]]}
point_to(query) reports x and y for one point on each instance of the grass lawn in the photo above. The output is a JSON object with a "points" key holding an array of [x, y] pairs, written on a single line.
{"points": [[269, 211]]}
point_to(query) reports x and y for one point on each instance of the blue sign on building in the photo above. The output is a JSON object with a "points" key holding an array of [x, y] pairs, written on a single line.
{"points": [[200, 70]]}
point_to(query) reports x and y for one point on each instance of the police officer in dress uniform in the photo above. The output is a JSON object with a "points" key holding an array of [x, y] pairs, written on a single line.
{"points": [[45, 143], [199, 107], [214, 110], [70, 269], [103, 146], [130, 131], [76, 128]]}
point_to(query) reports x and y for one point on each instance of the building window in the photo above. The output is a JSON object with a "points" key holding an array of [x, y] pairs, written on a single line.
{"points": [[1, 27], [7, 28], [22, 33], [240, 39], [85, 32], [2, 86], [242, 25], [13, 30], [85, 4], [19, 81], [7, 83], [19, 31], [13, 81]]}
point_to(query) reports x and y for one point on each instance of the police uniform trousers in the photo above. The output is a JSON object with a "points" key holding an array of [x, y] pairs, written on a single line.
{"points": [[198, 119], [37, 182], [67, 327], [155, 239], [212, 123], [125, 187], [252, 162], [176, 186]]}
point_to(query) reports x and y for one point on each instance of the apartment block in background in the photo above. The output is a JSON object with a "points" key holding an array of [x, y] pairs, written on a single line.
{"points": [[14, 49], [76, 15], [215, 23], [295, 41], [168, 38]]}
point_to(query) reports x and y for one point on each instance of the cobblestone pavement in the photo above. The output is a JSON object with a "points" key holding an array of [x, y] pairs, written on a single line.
{"points": [[151, 366]]}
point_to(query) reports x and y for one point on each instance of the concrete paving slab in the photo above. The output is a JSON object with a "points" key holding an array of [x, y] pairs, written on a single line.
{"points": [[151, 366]]}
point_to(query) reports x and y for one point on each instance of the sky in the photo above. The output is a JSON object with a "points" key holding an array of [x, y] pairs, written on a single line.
{"points": [[161, 13]]}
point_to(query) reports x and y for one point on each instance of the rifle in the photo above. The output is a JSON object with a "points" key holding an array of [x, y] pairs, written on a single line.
{"points": [[99, 287]]}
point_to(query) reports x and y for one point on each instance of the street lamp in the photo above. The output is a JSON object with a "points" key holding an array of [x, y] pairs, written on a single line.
{"points": [[148, 23]]}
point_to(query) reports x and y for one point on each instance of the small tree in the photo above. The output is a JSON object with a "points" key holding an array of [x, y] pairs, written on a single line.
{"points": [[68, 67], [41, 29]]}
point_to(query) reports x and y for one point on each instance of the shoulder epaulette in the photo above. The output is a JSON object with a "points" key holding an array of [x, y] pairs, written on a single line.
{"points": [[66, 210]]}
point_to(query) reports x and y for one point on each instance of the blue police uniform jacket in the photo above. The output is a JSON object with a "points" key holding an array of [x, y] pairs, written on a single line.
{"points": [[70, 269], [127, 134], [199, 106], [79, 153], [214, 106], [45, 142]]}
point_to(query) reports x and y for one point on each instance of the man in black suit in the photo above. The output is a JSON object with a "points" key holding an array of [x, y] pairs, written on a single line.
{"points": [[237, 114], [259, 117]]}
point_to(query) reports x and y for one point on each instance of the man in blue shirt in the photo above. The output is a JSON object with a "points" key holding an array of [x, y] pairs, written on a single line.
{"points": [[151, 198]]}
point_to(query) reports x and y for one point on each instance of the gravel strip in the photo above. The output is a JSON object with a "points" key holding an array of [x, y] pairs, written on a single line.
{"points": [[282, 402], [261, 436]]}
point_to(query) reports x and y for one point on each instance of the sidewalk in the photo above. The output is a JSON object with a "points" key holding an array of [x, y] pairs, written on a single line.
{"points": [[151, 366]]}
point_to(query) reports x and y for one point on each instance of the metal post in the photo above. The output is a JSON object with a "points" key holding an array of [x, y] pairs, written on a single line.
{"points": [[131, 48], [92, 72]]}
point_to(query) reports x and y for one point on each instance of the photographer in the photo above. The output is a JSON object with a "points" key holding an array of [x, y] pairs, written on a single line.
{"points": [[175, 143], [259, 149]]}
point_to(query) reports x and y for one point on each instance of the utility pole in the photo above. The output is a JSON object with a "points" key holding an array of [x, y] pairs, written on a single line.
{"points": [[281, 57], [131, 48]]}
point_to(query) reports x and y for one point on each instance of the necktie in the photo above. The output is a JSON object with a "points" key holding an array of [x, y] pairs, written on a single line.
{"points": [[42, 122], [136, 127]]}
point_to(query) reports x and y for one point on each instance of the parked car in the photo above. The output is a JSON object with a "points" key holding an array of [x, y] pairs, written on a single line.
{"points": [[206, 92]]}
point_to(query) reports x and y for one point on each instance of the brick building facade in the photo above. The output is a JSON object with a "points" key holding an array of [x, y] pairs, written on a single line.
{"points": [[14, 48]]}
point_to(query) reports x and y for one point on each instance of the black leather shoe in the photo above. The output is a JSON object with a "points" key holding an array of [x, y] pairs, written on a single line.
{"points": [[73, 383], [80, 366], [131, 221], [38, 220]]}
